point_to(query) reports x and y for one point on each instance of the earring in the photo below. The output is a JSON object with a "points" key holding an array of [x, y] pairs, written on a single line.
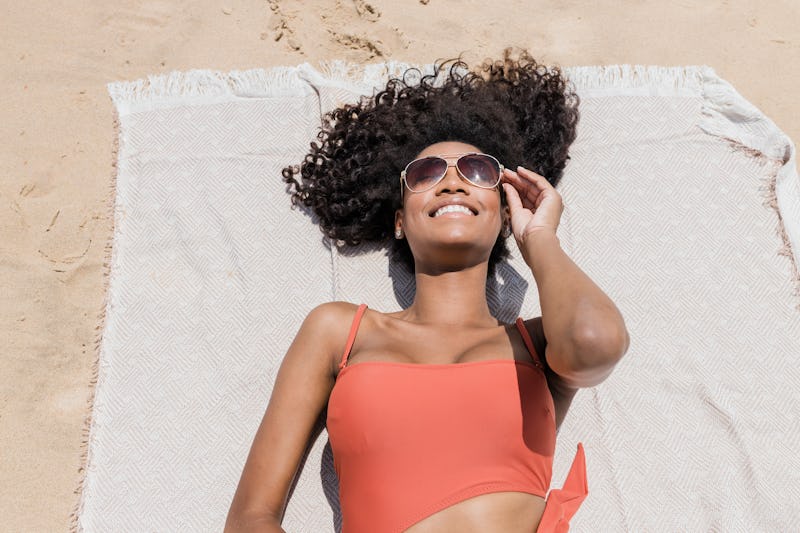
{"points": [[506, 231], [398, 233]]}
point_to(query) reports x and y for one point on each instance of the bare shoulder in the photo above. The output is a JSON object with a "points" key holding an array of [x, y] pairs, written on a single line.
{"points": [[329, 324], [330, 315]]}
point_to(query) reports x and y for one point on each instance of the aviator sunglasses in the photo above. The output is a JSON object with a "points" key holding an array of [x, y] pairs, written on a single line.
{"points": [[481, 170]]}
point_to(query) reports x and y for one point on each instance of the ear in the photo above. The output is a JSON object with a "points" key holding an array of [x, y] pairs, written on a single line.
{"points": [[398, 219]]}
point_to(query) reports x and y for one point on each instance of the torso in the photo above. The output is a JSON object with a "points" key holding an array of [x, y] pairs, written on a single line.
{"points": [[385, 337]]}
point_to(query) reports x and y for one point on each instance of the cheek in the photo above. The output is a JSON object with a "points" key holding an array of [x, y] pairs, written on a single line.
{"points": [[497, 207], [414, 221], [413, 211]]}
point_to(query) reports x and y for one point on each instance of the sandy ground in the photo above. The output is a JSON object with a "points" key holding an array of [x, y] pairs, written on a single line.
{"points": [[56, 139]]}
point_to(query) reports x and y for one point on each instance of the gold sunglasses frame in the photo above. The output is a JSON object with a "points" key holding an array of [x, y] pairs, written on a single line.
{"points": [[447, 159]]}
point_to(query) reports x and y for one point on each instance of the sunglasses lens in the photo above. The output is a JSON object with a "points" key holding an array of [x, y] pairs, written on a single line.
{"points": [[424, 173], [480, 169]]}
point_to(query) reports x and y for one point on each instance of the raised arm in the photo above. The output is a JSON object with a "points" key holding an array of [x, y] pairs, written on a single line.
{"points": [[585, 331], [302, 388]]}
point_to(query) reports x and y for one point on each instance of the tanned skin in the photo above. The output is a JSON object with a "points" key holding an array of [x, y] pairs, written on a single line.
{"points": [[581, 336]]}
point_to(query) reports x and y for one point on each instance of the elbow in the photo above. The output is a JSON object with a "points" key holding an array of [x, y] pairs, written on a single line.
{"points": [[594, 357], [609, 344], [601, 346]]}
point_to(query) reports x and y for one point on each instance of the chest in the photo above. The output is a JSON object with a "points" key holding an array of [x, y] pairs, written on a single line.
{"points": [[497, 403]]}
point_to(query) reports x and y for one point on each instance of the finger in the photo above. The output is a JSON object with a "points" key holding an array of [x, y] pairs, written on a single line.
{"points": [[510, 176], [512, 197], [540, 181], [527, 190], [523, 186]]}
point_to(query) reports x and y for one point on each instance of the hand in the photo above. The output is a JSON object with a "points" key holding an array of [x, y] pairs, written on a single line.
{"points": [[535, 205]]}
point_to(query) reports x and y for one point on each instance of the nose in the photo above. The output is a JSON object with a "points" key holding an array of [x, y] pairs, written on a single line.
{"points": [[452, 182]]}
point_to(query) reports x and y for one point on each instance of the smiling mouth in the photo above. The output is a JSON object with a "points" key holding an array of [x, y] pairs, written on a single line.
{"points": [[453, 208]]}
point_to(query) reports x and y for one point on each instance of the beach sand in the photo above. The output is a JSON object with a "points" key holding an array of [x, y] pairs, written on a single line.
{"points": [[57, 140]]}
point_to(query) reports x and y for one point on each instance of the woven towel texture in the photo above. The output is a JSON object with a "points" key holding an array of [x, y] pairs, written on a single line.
{"points": [[681, 203]]}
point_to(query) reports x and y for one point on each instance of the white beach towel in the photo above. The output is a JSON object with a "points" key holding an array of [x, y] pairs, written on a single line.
{"points": [[682, 202]]}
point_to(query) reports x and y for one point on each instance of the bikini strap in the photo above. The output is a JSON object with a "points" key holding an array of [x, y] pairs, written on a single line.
{"points": [[352, 337], [526, 337]]}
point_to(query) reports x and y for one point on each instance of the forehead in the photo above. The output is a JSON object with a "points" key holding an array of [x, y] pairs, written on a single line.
{"points": [[448, 148]]}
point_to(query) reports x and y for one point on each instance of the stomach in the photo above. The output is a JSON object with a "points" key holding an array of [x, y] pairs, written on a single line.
{"points": [[496, 512]]}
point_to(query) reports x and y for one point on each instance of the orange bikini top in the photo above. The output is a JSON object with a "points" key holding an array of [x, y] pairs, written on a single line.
{"points": [[410, 439]]}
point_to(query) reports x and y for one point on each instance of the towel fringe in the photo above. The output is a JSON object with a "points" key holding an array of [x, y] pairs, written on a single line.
{"points": [[728, 115], [362, 79], [365, 79], [635, 76], [355, 76], [174, 88], [203, 87], [109, 258]]}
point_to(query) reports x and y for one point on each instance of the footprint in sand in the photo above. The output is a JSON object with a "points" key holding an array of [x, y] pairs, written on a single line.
{"points": [[373, 48], [281, 26], [66, 240], [139, 17], [367, 11]]}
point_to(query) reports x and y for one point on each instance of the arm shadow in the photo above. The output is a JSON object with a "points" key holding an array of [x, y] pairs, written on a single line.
{"points": [[330, 482]]}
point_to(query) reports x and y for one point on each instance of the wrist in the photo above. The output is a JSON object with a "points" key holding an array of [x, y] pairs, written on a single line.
{"points": [[535, 244], [539, 235]]}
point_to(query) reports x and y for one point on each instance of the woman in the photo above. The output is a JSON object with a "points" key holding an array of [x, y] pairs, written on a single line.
{"points": [[448, 418]]}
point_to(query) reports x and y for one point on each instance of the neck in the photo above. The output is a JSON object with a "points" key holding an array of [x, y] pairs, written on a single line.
{"points": [[452, 298]]}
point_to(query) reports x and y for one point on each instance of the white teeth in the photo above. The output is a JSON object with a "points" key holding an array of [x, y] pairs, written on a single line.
{"points": [[452, 208]]}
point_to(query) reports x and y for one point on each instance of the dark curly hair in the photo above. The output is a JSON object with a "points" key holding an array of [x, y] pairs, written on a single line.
{"points": [[522, 112]]}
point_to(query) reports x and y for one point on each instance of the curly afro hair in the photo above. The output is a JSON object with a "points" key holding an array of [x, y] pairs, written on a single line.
{"points": [[522, 112]]}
